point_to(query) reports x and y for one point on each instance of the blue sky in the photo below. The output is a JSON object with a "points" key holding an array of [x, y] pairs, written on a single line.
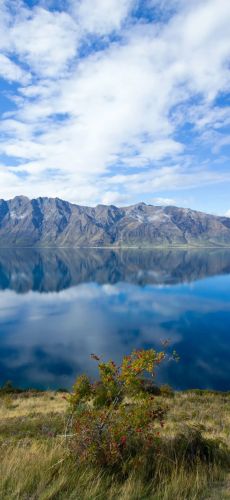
{"points": [[116, 101]]}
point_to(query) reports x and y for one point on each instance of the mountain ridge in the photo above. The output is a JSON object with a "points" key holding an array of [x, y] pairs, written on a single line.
{"points": [[48, 222]]}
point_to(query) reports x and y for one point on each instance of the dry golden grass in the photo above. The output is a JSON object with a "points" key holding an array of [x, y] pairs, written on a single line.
{"points": [[22, 405], [35, 463], [209, 411]]}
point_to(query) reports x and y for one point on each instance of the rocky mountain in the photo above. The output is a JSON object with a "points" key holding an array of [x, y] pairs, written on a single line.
{"points": [[51, 222]]}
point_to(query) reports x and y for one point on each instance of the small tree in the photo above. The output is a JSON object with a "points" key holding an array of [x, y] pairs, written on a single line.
{"points": [[114, 419]]}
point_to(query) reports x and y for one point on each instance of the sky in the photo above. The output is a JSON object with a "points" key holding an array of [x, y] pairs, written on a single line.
{"points": [[116, 101]]}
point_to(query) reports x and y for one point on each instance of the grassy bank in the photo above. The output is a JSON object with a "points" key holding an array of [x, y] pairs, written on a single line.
{"points": [[36, 464]]}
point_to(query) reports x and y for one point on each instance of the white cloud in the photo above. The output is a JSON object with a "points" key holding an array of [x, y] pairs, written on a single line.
{"points": [[45, 40], [120, 106], [168, 178], [101, 16], [11, 71], [227, 214], [164, 201]]}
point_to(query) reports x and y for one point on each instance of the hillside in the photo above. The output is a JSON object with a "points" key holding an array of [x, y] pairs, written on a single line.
{"points": [[54, 222]]}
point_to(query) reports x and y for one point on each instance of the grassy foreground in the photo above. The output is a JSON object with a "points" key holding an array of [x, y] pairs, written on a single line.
{"points": [[35, 462]]}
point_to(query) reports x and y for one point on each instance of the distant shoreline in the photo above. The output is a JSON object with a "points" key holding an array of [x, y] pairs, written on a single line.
{"points": [[156, 247]]}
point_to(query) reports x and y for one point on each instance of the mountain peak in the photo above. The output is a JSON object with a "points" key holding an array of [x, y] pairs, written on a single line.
{"points": [[55, 222], [20, 198]]}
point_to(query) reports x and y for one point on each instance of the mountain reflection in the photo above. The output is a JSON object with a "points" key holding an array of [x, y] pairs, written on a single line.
{"points": [[49, 270]]}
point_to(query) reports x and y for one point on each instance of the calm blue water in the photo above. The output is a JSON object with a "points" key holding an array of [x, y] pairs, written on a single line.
{"points": [[58, 306]]}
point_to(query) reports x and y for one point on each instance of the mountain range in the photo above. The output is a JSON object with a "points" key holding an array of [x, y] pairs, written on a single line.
{"points": [[47, 222]]}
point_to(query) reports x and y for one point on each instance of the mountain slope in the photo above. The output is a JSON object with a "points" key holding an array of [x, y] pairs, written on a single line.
{"points": [[54, 222]]}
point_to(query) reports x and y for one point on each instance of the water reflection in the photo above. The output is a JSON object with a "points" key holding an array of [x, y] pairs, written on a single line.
{"points": [[109, 302], [57, 269]]}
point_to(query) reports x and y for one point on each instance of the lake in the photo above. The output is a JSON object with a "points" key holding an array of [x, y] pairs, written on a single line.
{"points": [[57, 306]]}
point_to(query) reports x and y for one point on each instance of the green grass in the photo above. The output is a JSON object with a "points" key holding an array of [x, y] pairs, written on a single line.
{"points": [[35, 461]]}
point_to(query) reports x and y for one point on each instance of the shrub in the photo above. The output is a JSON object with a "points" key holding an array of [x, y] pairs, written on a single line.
{"points": [[114, 420], [151, 388], [190, 447], [167, 391], [8, 388]]}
